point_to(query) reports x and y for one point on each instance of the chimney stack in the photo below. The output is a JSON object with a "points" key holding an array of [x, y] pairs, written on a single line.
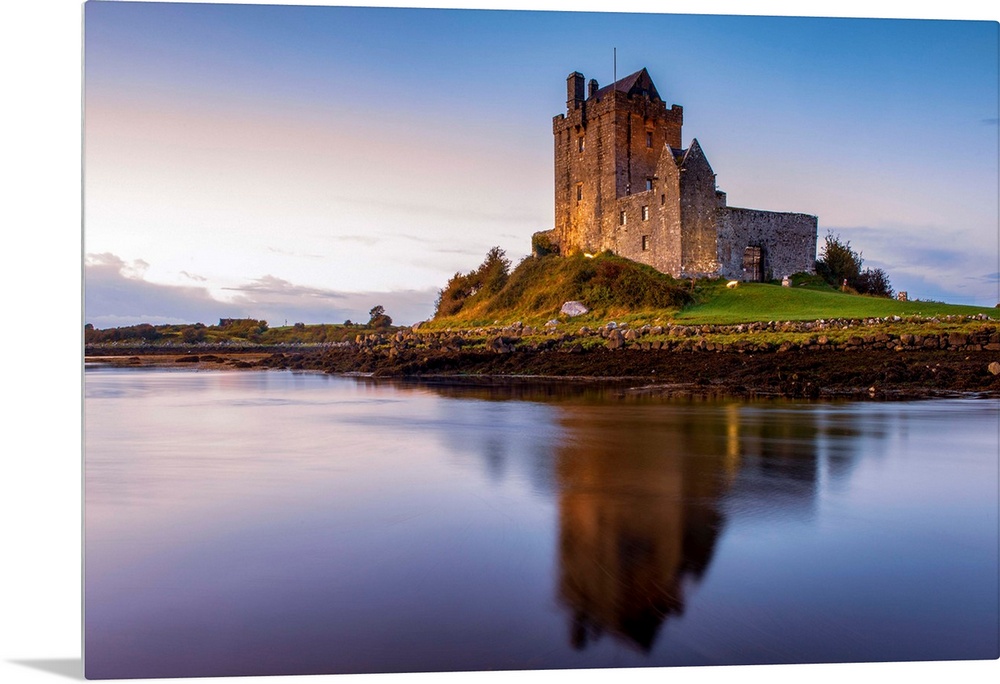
{"points": [[574, 90]]}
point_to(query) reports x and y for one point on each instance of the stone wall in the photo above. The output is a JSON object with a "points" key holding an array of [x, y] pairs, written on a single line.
{"points": [[603, 154], [699, 209], [787, 241]]}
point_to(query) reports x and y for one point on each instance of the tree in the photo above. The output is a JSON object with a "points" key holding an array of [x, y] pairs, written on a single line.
{"points": [[494, 270], [378, 318], [489, 279], [873, 282], [838, 262]]}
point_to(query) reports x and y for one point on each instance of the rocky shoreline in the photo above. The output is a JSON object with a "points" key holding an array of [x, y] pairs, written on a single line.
{"points": [[800, 360]]}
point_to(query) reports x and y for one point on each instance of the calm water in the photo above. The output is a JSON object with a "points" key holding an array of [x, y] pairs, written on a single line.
{"points": [[274, 523]]}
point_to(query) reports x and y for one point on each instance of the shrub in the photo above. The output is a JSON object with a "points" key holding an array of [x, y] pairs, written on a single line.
{"points": [[873, 282]]}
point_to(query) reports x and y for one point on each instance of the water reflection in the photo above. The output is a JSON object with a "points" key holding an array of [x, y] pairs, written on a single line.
{"points": [[341, 526], [644, 488], [637, 520]]}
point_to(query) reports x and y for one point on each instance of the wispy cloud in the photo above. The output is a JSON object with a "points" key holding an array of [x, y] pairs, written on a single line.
{"points": [[117, 293], [193, 276], [927, 261], [991, 122], [271, 286]]}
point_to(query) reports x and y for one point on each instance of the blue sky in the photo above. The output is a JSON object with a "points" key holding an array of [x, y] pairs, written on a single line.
{"points": [[306, 163]]}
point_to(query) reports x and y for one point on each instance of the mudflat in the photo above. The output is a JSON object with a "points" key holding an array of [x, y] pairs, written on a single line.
{"points": [[831, 373]]}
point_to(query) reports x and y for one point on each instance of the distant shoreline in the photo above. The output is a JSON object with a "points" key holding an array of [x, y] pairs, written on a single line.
{"points": [[851, 371]]}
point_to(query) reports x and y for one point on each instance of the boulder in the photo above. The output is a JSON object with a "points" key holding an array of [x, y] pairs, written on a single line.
{"points": [[615, 340], [994, 368], [573, 309]]}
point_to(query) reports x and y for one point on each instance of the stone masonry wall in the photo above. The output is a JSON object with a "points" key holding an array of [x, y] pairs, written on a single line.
{"points": [[603, 154], [698, 208], [787, 241], [655, 241]]}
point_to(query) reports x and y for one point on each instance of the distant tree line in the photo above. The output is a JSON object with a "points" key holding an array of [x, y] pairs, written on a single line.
{"points": [[237, 330]]}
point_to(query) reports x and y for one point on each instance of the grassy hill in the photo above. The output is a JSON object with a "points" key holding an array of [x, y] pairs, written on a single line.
{"points": [[618, 289], [534, 291]]}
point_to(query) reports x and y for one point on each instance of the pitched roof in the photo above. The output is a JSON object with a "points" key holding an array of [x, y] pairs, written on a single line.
{"points": [[632, 84]]}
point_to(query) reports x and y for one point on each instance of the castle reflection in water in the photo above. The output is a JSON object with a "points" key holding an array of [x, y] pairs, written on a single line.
{"points": [[642, 504], [643, 492]]}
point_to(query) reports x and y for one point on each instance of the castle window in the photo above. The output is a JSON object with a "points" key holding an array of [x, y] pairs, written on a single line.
{"points": [[621, 218], [645, 243], [579, 144], [649, 138], [663, 199], [579, 191], [645, 213], [649, 184]]}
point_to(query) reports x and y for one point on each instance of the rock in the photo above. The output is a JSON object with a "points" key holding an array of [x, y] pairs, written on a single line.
{"points": [[500, 345], [631, 335], [994, 368], [615, 340], [573, 309], [552, 323]]}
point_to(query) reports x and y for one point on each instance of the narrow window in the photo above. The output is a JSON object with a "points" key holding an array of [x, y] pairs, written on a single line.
{"points": [[579, 191], [649, 184], [579, 144], [645, 243], [649, 138], [645, 213], [621, 218], [663, 199]]}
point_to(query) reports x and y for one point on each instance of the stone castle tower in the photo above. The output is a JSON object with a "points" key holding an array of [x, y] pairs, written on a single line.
{"points": [[624, 183]]}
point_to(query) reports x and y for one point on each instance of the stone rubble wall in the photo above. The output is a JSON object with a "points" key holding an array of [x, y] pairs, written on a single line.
{"points": [[823, 335]]}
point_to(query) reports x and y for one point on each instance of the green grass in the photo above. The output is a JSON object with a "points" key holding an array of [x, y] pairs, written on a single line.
{"points": [[620, 290], [764, 302]]}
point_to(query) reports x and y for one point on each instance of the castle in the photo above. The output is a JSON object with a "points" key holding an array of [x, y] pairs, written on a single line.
{"points": [[624, 183]]}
